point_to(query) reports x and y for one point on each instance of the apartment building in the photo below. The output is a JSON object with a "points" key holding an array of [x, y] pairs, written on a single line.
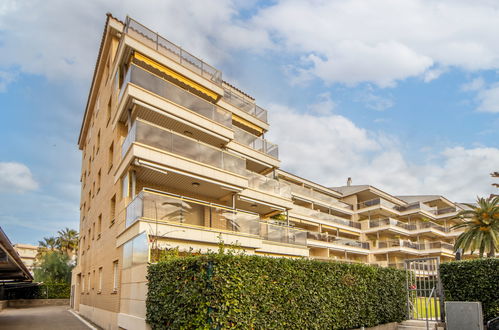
{"points": [[28, 253], [175, 157]]}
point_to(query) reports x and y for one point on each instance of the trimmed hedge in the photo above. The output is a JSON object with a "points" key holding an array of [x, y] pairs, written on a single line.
{"points": [[43, 291], [251, 292], [473, 280]]}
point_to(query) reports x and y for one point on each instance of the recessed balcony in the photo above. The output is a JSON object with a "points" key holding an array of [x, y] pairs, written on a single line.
{"points": [[172, 142], [161, 87], [300, 210], [255, 142], [244, 105], [314, 194], [324, 237]]}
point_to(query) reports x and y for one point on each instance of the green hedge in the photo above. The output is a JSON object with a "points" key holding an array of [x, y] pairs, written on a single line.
{"points": [[473, 280], [43, 291], [252, 292]]}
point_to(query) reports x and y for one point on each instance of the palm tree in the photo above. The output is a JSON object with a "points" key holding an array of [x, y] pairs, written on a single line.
{"points": [[46, 245], [482, 227], [67, 241]]}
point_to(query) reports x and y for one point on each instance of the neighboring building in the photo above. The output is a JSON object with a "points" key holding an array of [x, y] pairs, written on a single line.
{"points": [[28, 254], [12, 269], [173, 156]]}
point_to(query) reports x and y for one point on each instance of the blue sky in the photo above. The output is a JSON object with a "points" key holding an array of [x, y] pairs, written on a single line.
{"points": [[403, 95]]}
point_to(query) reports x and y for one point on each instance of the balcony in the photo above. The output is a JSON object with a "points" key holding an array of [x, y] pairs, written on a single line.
{"points": [[172, 51], [309, 192], [380, 202], [244, 105], [169, 141], [268, 185], [175, 94], [180, 210], [445, 210], [324, 216], [390, 222], [255, 142], [415, 246], [324, 237], [283, 234]]}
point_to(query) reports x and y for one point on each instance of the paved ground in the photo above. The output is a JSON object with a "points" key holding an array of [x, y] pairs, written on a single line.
{"points": [[40, 318]]}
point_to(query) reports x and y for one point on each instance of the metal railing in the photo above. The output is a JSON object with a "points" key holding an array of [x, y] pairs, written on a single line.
{"points": [[255, 142], [244, 105], [180, 96], [268, 185], [172, 51], [170, 141], [324, 216]]}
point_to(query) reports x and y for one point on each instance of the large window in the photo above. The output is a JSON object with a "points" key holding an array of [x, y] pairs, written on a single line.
{"points": [[136, 251], [115, 275]]}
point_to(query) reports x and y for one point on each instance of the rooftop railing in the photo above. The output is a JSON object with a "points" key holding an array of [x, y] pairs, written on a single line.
{"points": [[170, 141], [244, 105], [172, 51], [324, 216], [165, 208], [255, 142], [180, 96], [268, 185]]}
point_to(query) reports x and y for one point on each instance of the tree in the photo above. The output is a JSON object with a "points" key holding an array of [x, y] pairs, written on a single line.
{"points": [[481, 223], [54, 267], [48, 244], [67, 241]]}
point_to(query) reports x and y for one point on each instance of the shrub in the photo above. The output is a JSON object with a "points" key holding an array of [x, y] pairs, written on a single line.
{"points": [[473, 280], [252, 292], [44, 291]]}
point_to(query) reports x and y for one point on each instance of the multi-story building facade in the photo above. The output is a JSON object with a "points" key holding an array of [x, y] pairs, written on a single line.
{"points": [[175, 157], [28, 254]]}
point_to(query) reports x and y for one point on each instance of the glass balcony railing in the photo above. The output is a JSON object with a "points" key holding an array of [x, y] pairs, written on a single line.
{"points": [[282, 234], [439, 245], [255, 142], [324, 216], [244, 105], [172, 51], [378, 201], [445, 210], [180, 96], [268, 185], [324, 237], [309, 192], [392, 222], [165, 208], [170, 141]]}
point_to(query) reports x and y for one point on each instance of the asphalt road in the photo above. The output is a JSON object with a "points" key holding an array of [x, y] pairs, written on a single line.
{"points": [[40, 318]]}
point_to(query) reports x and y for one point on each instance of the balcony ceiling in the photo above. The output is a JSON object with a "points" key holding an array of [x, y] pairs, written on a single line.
{"points": [[182, 185]]}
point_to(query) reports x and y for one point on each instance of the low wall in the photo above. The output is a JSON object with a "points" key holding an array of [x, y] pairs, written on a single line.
{"points": [[386, 326], [22, 303], [3, 304]]}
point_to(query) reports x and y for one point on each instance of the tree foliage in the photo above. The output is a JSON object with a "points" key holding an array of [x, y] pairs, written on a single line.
{"points": [[473, 280], [251, 292], [481, 223], [54, 267]]}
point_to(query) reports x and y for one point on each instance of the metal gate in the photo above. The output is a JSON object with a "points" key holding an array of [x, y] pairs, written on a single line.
{"points": [[425, 300]]}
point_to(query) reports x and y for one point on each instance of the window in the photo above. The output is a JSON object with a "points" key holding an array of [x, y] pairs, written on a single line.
{"points": [[89, 235], [99, 176], [115, 275], [93, 189], [125, 186], [83, 284], [88, 287], [99, 225], [108, 113], [111, 156], [93, 230], [98, 141], [100, 281], [113, 209], [93, 280]]}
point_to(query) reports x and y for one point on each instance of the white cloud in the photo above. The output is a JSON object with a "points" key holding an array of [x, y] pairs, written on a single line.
{"points": [[16, 177], [375, 102], [385, 41], [5, 79], [324, 105], [329, 149], [489, 99], [474, 85]]}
